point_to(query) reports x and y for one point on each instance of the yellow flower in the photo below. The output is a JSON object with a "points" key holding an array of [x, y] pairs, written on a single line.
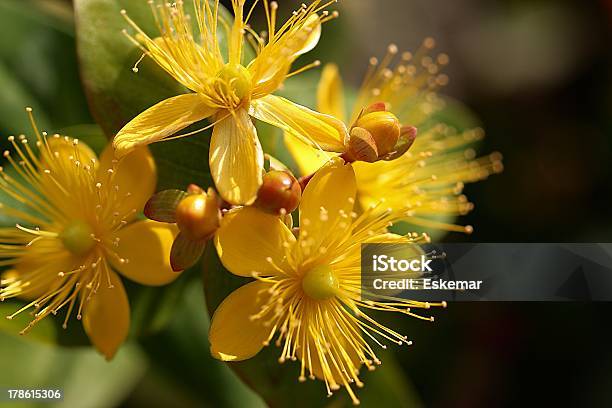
{"points": [[428, 180], [307, 293], [228, 92], [77, 229]]}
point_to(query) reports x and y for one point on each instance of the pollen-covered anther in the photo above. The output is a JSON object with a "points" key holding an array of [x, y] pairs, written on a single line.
{"points": [[280, 193]]}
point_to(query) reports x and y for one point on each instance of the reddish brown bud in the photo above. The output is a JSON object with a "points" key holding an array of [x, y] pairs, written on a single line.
{"points": [[280, 193], [384, 128], [198, 215]]}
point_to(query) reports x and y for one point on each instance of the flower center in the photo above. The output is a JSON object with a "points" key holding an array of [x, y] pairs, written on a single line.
{"points": [[237, 79], [77, 238], [320, 283]]}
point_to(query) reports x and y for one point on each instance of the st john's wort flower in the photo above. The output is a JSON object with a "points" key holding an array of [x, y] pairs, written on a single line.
{"points": [[307, 295], [228, 90], [78, 232]]}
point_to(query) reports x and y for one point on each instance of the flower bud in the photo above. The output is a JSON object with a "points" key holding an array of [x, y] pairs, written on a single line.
{"points": [[384, 127], [198, 215], [280, 193]]}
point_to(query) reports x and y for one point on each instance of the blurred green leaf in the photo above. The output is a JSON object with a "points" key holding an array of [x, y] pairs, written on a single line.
{"points": [[40, 59], [389, 386], [116, 94], [181, 354], [88, 381], [13, 100], [152, 308], [44, 332]]}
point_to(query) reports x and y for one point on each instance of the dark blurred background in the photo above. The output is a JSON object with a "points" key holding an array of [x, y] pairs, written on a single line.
{"points": [[538, 76]]}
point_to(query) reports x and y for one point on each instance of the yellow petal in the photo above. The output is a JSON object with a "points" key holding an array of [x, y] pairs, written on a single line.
{"points": [[250, 240], [327, 203], [146, 245], [106, 318], [135, 175], [318, 130], [45, 258], [307, 37], [330, 93], [307, 158], [160, 121], [270, 68], [236, 158], [233, 335], [67, 149]]}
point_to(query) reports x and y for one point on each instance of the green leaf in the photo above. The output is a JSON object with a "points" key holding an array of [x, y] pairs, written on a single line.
{"points": [[152, 308], [88, 381], [13, 100], [116, 94], [181, 355], [39, 55], [44, 332], [389, 386]]}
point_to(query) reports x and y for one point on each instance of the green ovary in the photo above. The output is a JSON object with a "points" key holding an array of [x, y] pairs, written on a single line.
{"points": [[77, 238], [320, 283]]}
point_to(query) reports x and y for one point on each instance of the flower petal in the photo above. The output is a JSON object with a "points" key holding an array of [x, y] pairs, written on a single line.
{"points": [[160, 121], [68, 148], [233, 335], [307, 37], [330, 93], [236, 158], [327, 203], [146, 245], [307, 158], [271, 67], [135, 175], [106, 318], [250, 240], [316, 129], [36, 272]]}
